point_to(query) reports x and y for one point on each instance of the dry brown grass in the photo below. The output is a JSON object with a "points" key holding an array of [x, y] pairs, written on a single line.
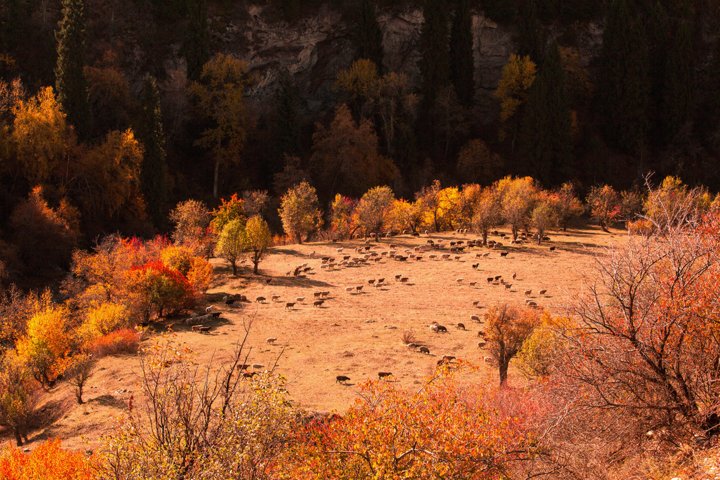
{"points": [[353, 334]]}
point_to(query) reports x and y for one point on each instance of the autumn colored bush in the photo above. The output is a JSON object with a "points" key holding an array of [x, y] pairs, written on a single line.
{"points": [[178, 257], [121, 341], [216, 424], [103, 319], [46, 461], [200, 275], [439, 431], [161, 289]]}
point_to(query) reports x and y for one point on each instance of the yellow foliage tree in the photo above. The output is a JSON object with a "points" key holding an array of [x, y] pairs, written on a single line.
{"points": [[300, 211], [41, 135], [46, 346], [219, 94], [403, 216], [230, 244], [486, 212], [257, 239], [517, 198], [507, 330], [518, 75], [107, 177]]}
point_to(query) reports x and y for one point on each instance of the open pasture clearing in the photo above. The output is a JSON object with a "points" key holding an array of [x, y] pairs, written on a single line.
{"points": [[355, 333]]}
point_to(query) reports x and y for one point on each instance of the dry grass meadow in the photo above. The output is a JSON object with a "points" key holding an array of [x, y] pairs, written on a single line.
{"points": [[352, 334]]}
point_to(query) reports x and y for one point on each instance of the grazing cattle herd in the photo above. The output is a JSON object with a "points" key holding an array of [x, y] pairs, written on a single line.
{"points": [[396, 260]]}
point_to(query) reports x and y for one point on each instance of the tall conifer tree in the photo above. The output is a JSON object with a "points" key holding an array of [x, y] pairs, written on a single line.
{"points": [[197, 44], [150, 132], [546, 137], [70, 80], [368, 36], [462, 64], [624, 83], [679, 84], [434, 65], [531, 37]]}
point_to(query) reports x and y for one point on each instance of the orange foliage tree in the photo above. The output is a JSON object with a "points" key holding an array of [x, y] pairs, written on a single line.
{"points": [[648, 340], [161, 289], [440, 431], [604, 205]]}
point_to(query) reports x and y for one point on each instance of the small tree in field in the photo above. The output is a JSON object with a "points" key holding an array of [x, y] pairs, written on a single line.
{"points": [[403, 216], [230, 244], [371, 208], [544, 216], [78, 373], [257, 239], [192, 221], [47, 344], [18, 395], [605, 207], [300, 211], [507, 329], [517, 198], [486, 212], [342, 223], [567, 204]]}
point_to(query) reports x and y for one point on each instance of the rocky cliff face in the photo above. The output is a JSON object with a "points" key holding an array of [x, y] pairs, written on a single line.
{"points": [[316, 47]]}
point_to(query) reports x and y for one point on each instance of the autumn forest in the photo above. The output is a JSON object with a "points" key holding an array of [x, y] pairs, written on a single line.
{"points": [[211, 212]]}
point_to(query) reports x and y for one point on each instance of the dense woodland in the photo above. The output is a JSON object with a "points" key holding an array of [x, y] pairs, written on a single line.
{"points": [[116, 192], [83, 117]]}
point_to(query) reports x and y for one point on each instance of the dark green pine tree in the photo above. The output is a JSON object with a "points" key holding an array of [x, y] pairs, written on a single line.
{"points": [[13, 15], [530, 36], [678, 100], [197, 43], [624, 83], [545, 136], [434, 64], [368, 36], [69, 76], [287, 117], [462, 64], [150, 132]]}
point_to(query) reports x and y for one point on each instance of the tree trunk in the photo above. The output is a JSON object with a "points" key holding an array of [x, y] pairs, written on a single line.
{"points": [[503, 371], [256, 262], [18, 436], [234, 267], [216, 178], [78, 394]]}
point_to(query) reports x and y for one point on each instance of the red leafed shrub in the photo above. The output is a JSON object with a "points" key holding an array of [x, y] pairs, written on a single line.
{"points": [[48, 461], [125, 340], [161, 289]]}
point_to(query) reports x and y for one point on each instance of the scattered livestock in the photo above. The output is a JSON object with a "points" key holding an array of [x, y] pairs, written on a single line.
{"points": [[342, 379]]}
